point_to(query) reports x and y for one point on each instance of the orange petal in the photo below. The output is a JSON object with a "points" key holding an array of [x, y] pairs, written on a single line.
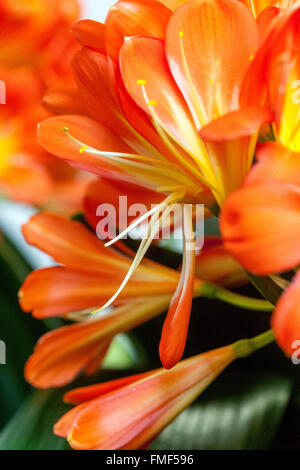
{"points": [[264, 20], [202, 54], [59, 290], [80, 395], [215, 264], [32, 184], [89, 132], [55, 235], [63, 101], [237, 124], [260, 225], [91, 34], [269, 74], [99, 84], [143, 59], [62, 354], [147, 405], [258, 7], [110, 192], [173, 4], [286, 318], [175, 329], [275, 162], [231, 141], [134, 18]]}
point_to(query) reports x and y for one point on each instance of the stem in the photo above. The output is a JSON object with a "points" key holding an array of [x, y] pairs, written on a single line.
{"points": [[245, 347], [213, 291]]}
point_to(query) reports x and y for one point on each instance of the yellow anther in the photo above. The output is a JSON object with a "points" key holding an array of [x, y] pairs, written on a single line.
{"points": [[251, 57], [141, 82], [64, 129], [211, 81], [181, 34], [152, 103], [83, 148]]}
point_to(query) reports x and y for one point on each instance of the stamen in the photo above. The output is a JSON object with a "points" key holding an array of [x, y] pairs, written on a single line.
{"points": [[125, 159], [83, 148], [152, 231], [165, 137], [162, 205], [152, 103], [252, 7]]}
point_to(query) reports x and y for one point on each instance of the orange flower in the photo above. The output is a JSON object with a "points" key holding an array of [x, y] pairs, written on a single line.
{"points": [[260, 6], [273, 77], [159, 86], [261, 227], [129, 413], [35, 53], [87, 276]]}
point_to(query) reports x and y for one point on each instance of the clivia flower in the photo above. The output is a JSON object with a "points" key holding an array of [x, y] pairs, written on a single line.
{"points": [[158, 106], [88, 274], [260, 222], [129, 413], [261, 227], [35, 53], [273, 78]]}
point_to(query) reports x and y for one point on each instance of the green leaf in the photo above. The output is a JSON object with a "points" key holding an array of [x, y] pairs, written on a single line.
{"points": [[18, 330], [32, 427], [267, 287], [125, 352], [240, 411]]}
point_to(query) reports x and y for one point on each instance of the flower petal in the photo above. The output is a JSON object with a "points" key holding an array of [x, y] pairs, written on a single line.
{"points": [[286, 318], [80, 395], [215, 264], [275, 162], [70, 243], [147, 405], [143, 59], [60, 290], [201, 50], [63, 101], [134, 18], [241, 123], [231, 142], [91, 34], [175, 329], [32, 184], [101, 90], [110, 192], [61, 354], [89, 132], [260, 225], [264, 20]]}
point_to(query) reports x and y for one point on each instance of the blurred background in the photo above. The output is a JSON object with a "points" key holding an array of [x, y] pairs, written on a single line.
{"points": [[13, 215], [254, 405]]}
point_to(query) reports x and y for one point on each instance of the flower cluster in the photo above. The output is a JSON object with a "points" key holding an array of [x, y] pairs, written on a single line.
{"points": [[174, 102], [35, 53]]}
